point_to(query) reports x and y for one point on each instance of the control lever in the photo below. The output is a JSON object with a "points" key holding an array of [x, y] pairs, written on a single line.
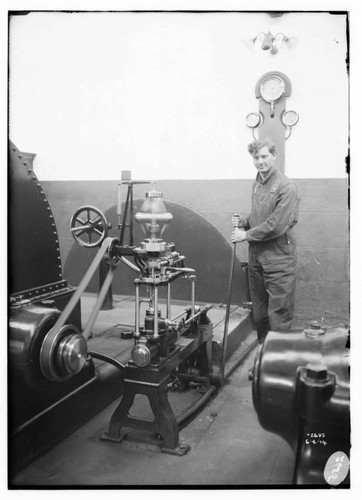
{"points": [[227, 313]]}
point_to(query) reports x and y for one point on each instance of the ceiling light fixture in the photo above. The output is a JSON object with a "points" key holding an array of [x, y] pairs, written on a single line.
{"points": [[272, 43]]}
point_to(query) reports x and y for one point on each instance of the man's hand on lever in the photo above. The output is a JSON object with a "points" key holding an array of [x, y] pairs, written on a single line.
{"points": [[238, 234]]}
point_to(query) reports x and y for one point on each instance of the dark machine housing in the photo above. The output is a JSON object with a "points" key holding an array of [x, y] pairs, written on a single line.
{"points": [[47, 375]]}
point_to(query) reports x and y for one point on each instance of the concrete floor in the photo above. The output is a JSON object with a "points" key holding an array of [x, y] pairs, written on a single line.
{"points": [[228, 446]]}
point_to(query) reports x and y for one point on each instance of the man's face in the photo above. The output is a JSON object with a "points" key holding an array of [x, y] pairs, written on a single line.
{"points": [[263, 161]]}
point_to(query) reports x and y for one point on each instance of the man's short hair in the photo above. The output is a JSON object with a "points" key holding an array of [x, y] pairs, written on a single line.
{"points": [[258, 144]]}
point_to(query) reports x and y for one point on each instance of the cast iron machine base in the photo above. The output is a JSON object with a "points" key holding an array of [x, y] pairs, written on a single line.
{"points": [[168, 351], [152, 382]]}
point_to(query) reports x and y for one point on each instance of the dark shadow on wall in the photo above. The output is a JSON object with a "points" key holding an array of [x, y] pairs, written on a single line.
{"points": [[205, 248]]}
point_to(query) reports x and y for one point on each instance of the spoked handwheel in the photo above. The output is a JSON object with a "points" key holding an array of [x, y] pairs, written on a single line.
{"points": [[89, 226]]}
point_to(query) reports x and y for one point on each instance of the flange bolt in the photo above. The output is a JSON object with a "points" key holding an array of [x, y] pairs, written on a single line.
{"points": [[317, 372]]}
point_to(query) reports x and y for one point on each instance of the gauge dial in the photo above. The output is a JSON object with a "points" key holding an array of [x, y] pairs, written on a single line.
{"points": [[254, 120], [272, 88], [290, 118]]}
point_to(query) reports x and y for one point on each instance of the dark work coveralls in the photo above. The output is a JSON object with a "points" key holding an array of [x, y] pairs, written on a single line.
{"points": [[272, 252]]}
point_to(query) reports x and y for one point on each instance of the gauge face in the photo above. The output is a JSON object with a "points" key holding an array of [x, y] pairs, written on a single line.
{"points": [[253, 120], [290, 118], [272, 88]]}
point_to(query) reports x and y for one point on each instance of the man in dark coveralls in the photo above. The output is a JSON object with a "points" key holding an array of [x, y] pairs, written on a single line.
{"points": [[272, 251]]}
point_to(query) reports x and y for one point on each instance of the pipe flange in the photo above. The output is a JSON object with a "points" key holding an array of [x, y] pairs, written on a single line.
{"points": [[315, 330]]}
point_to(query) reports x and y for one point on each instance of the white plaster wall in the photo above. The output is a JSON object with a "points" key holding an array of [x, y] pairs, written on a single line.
{"points": [[165, 95]]}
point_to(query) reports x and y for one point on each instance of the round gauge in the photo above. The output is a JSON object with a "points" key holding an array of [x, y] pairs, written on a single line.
{"points": [[290, 118], [272, 88], [254, 120]]}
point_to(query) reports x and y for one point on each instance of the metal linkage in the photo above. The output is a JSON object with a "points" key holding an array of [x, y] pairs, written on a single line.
{"points": [[185, 311], [196, 315]]}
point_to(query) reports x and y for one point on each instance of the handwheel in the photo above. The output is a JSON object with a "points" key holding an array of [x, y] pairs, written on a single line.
{"points": [[89, 226]]}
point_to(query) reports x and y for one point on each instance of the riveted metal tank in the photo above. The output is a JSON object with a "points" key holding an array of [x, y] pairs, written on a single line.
{"points": [[38, 291], [41, 373]]}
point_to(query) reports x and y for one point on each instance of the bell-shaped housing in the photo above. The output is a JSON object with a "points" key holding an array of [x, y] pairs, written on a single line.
{"points": [[153, 216]]}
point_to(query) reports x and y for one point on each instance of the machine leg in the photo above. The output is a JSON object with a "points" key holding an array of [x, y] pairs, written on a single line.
{"points": [[164, 423], [120, 417], [206, 359]]}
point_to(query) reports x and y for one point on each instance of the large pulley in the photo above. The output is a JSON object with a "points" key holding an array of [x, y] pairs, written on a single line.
{"points": [[42, 352], [43, 345], [63, 353], [89, 226]]}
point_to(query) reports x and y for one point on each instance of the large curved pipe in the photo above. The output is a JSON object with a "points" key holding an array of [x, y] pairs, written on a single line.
{"points": [[190, 412], [232, 367], [108, 359], [184, 417]]}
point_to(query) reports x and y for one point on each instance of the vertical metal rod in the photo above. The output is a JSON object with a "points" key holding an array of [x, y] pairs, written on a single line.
{"points": [[137, 311], [150, 294], [227, 313], [168, 312], [124, 220], [192, 295], [119, 204], [131, 242], [155, 308]]}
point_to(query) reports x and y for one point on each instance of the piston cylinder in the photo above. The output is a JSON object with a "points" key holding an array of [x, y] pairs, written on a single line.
{"points": [[142, 353]]}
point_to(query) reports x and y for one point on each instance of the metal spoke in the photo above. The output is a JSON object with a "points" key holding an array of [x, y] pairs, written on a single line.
{"points": [[79, 230], [83, 222], [95, 221]]}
